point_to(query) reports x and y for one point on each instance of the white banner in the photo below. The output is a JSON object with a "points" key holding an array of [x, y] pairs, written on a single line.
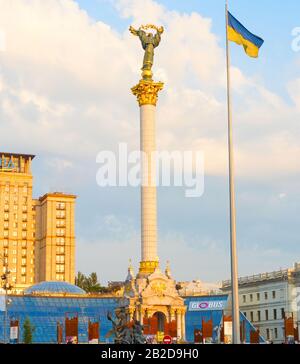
{"points": [[207, 305], [228, 328], [14, 330], [2, 302]]}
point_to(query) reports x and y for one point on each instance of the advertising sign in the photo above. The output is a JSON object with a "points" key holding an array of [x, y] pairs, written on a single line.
{"points": [[228, 328], [2, 302], [227, 332], [217, 305], [14, 332]]}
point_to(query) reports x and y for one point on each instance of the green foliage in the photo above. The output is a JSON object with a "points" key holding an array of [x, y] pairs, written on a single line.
{"points": [[88, 283], [28, 330]]}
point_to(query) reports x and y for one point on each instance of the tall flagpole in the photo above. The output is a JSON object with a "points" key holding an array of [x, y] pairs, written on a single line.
{"points": [[233, 251]]}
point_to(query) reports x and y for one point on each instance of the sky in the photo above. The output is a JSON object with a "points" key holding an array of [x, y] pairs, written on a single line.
{"points": [[66, 69]]}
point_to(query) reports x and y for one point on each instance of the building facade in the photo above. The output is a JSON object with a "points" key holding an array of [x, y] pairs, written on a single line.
{"points": [[37, 240], [55, 237], [265, 299], [48, 303]]}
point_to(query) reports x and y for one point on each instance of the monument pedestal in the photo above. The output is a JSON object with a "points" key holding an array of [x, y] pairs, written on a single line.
{"points": [[156, 304]]}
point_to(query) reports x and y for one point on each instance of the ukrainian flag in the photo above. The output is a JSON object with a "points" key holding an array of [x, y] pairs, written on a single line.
{"points": [[239, 34]]}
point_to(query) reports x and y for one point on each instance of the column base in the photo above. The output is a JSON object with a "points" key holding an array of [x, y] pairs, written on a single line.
{"points": [[148, 267]]}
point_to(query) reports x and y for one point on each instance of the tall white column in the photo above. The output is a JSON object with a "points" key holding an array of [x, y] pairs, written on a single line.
{"points": [[148, 189], [183, 325], [178, 317], [146, 92]]}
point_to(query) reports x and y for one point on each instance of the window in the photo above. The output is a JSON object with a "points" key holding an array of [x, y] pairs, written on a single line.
{"points": [[245, 314], [60, 259], [60, 277], [282, 313], [267, 315], [60, 232], [60, 206], [251, 316], [266, 295], [23, 270], [251, 297], [60, 241], [275, 314], [244, 298], [276, 333], [60, 214], [274, 294], [60, 250], [60, 268], [258, 296], [268, 334], [14, 260], [258, 316]]}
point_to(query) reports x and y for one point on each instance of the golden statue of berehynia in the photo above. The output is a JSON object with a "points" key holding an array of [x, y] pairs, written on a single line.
{"points": [[149, 42]]}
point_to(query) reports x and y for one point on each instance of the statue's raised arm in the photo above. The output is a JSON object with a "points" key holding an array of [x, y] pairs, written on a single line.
{"points": [[133, 31]]}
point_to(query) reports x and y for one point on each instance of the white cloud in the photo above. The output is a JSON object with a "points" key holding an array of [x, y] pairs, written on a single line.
{"points": [[66, 78], [65, 91]]}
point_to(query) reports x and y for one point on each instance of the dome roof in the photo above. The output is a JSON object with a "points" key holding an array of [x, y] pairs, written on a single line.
{"points": [[54, 287]]}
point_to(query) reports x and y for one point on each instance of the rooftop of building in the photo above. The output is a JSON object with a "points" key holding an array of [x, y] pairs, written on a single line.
{"points": [[56, 195], [6, 154], [282, 274], [54, 288]]}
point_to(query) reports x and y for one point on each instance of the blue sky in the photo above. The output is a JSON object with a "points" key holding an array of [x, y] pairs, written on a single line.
{"points": [[65, 81], [272, 20]]}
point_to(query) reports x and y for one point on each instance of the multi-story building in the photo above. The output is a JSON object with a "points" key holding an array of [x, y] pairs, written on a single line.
{"points": [[266, 298], [37, 240], [55, 237]]}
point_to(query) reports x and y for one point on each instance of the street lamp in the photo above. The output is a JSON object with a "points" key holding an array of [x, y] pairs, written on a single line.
{"points": [[6, 286]]}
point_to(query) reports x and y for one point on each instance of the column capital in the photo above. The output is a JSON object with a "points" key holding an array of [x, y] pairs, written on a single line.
{"points": [[147, 92]]}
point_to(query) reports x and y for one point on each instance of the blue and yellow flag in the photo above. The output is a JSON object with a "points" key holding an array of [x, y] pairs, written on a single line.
{"points": [[239, 34]]}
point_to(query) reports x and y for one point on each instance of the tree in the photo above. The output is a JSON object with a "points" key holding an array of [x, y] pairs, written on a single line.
{"points": [[80, 280], [92, 283], [28, 330], [88, 283]]}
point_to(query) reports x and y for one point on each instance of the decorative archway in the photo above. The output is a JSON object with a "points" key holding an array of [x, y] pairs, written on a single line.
{"points": [[155, 323]]}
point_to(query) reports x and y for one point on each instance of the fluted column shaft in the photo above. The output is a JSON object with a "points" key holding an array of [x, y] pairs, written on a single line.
{"points": [[148, 189]]}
